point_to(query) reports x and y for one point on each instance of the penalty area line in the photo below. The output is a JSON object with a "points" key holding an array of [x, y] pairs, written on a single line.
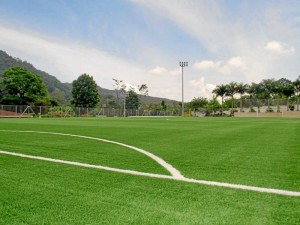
{"points": [[182, 179]]}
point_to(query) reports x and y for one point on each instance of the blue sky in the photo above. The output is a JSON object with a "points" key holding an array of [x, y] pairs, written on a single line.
{"points": [[142, 41]]}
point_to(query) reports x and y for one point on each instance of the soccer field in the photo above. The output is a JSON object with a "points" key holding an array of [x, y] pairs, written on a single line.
{"points": [[256, 152]]}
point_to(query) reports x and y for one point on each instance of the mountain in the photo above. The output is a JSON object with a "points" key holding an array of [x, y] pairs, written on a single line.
{"points": [[62, 91]]}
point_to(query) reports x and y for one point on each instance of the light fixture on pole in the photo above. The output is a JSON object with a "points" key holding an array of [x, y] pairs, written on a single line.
{"points": [[182, 64]]}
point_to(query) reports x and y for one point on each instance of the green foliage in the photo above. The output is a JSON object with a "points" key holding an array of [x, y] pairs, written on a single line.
{"points": [[286, 87], [220, 90], [163, 105], [132, 100], [52, 83], [85, 92], [21, 87], [197, 103], [213, 106]]}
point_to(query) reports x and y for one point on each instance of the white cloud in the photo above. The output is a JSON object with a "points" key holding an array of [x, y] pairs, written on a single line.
{"points": [[223, 67], [279, 48], [238, 38], [158, 70], [205, 64], [204, 89], [237, 62], [164, 72], [67, 60]]}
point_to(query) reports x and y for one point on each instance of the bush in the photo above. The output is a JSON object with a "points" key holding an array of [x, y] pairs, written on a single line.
{"points": [[269, 109]]}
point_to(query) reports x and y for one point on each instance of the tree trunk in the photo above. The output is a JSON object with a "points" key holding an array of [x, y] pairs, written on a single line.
{"points": [[278, 110], [222, 105], [232, 106], [288, 105], [241, 104]]}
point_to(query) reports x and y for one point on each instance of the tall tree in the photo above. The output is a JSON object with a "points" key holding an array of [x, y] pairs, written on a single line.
{"points": [[251, 92], [85, 92], [120, 87], [220, 91], [241, 89], [256, 90], [143, 91], [297, 91], [132, 100], [269, 87], [231, 90], [287, 88], [163, 105], [20, 86]]}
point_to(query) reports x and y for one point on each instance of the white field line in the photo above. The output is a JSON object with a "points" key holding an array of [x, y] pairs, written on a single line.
{"points": [[172, 177], [174, 172], [183, 179], [86, 165]]}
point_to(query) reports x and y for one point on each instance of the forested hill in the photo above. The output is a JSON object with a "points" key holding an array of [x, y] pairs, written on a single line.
{"points": [[58, 90], [54, 86]]}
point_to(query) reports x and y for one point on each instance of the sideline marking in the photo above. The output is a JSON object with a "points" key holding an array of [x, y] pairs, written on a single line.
{"points": [[132, 172]]}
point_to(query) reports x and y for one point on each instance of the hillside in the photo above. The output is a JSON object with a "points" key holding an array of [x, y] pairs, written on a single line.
{"points": [[62, 91]]}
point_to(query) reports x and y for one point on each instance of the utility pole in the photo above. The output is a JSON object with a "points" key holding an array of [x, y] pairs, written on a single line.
{"points": [[182, 64]]}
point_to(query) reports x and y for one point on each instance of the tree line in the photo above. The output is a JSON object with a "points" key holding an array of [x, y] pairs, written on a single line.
{"points": [[19, 86], [267, 89], [22, 87]]}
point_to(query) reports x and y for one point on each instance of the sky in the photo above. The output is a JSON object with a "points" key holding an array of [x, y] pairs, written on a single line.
{"points": [[143, 41]]}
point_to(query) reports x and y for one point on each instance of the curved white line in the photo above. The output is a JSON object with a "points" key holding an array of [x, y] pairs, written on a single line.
{"points": [[174, 172], [183, 179]]}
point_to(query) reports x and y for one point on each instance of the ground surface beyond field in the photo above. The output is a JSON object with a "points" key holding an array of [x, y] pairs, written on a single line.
{"points": [[255, 152]]}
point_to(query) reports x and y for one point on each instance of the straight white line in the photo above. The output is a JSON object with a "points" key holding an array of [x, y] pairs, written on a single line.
{"points": [[183, 179], [86, 165]]}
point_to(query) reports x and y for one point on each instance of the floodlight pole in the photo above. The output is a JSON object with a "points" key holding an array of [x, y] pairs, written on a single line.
{"points": [[182, 64]]}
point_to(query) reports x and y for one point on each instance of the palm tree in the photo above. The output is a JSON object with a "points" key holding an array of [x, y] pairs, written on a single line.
{"points": [[220, 91], [297, 90], [278, 93], [231, 91], [241, 89], [251, 92]]}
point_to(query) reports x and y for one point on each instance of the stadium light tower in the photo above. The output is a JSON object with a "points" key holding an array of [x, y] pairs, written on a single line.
{"points": [[182, 64]]}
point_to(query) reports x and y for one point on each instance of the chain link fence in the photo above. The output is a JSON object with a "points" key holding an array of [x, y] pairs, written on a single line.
{"points": [[67, 111]]}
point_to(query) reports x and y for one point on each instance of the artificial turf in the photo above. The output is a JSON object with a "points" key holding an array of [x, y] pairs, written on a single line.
{"points": [[257, 152]]}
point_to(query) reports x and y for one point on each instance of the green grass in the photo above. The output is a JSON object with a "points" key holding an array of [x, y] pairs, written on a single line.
{"points": [[256, 152]]}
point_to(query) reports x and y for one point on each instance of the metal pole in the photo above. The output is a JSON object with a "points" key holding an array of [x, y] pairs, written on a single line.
{"points": [[182, 64], [182, 97], [125, 107]]}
